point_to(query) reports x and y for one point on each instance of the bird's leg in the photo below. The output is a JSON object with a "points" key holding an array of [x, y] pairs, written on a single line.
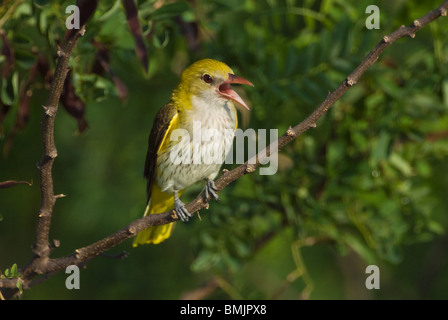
{"points": [[180, 208], [210, 189]]}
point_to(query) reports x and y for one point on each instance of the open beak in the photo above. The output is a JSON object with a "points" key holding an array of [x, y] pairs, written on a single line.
{"points": [[226, 90]]}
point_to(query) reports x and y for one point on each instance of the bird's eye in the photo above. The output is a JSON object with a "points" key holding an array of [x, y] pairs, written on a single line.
{"points": [[207, 78]]}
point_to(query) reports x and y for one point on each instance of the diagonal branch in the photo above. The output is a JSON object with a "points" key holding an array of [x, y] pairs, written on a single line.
{"points": [[43, 264]]}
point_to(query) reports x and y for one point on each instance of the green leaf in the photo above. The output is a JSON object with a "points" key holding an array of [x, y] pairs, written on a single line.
{"points": [[19, 286], [161, 41], [380, 149], [204, 261], [401, 164], [436, 227], [170, 10], [14, 269], [7, 94], [12, 272]]}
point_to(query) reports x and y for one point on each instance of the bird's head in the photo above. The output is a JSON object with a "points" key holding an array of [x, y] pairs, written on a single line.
{"points": [[211, 80]]}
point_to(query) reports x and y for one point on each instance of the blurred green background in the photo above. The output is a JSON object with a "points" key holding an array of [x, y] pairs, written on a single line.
{"points": [[367, 186]]}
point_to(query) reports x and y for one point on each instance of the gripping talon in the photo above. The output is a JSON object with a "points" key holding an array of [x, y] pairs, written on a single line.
{"points": [[180, 208], [210, 189]]}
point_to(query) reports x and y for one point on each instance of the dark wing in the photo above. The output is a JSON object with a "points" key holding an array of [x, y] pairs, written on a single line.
{"points": [[162, 123]]}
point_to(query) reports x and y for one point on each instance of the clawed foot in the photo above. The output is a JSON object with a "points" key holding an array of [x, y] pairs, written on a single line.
{"points": [[180, 208], [210, 189]]}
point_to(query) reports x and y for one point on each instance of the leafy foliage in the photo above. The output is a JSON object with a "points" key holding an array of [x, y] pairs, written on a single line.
{"points": [[11, 273]]}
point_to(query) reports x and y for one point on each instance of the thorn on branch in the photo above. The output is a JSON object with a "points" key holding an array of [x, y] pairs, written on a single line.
{"points": [[49, 111], [349, 82], [131, 231], [290, 132], [53, 154], [249, 168], [43, 214], [443, 12], [60, 52], [386, 38], [10, 183], [54, 244]]}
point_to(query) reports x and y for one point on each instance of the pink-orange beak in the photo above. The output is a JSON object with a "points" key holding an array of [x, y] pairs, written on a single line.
{"points": [[226, 90]]}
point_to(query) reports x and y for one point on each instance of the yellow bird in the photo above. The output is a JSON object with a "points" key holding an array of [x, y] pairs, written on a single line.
{"points": [[189, 140]]}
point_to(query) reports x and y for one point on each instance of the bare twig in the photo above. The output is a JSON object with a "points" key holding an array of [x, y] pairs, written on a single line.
{"points": [[42, 263], [41, 247]]}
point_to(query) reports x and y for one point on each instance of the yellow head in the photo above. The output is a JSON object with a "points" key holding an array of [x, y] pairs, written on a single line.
{"points": [[208, 79]]}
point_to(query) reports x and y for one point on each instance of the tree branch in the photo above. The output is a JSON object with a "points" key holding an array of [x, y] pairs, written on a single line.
{"points": [[41, 246], [42, 264]]}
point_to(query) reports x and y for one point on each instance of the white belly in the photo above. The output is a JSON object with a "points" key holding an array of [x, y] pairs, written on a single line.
{"points": [[199, 148]]}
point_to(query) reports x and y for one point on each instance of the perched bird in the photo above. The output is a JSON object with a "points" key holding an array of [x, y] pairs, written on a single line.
{"points": [[201, 103]]}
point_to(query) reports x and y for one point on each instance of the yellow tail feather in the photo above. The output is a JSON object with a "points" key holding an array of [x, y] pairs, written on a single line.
{"points": [[160, 202]]}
